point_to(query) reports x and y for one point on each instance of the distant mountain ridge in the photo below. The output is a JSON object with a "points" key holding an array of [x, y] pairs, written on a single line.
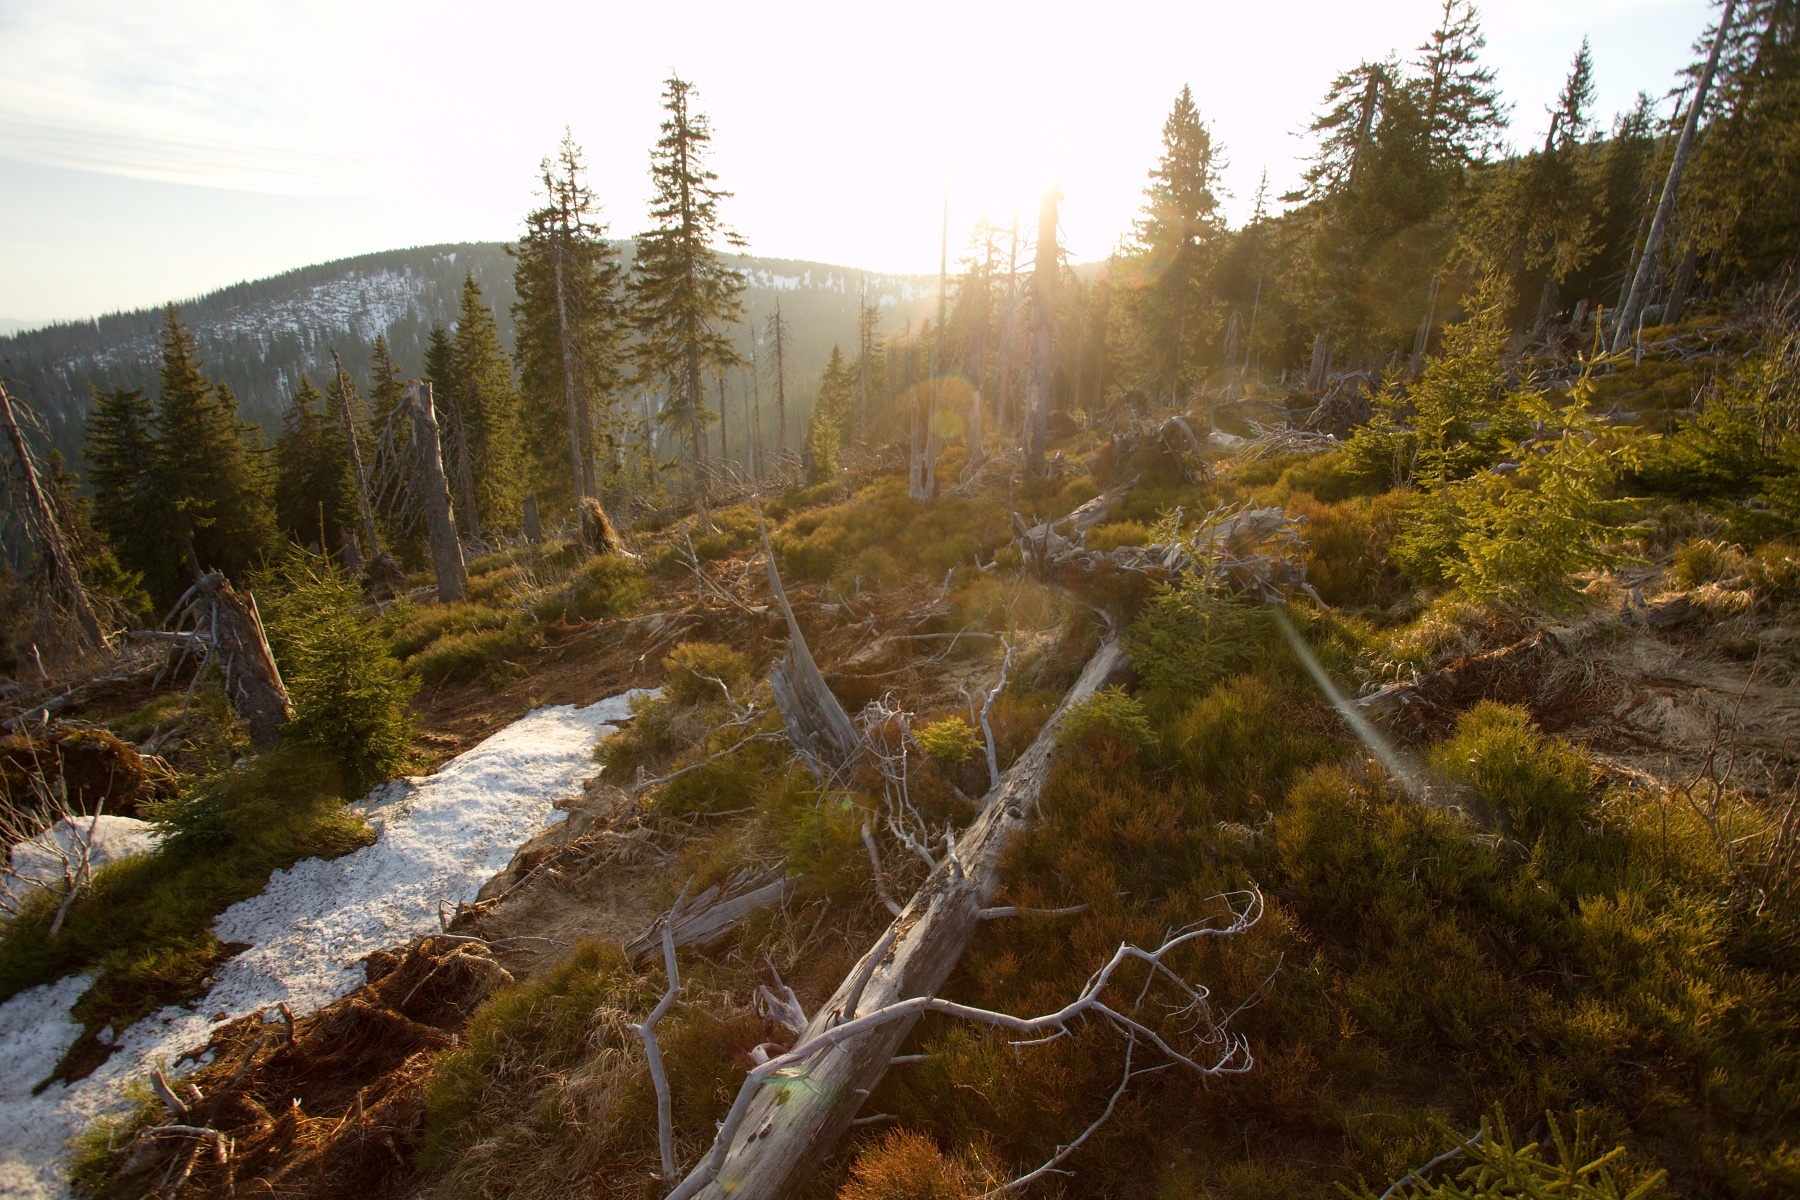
{"points": [[259, 336]]}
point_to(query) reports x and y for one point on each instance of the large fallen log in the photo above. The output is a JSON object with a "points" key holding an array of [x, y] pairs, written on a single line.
{"points": [[789, 1130], [1259, 551]]}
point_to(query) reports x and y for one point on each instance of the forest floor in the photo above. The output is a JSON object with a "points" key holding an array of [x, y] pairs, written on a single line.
{"points": [[1574, 940]]}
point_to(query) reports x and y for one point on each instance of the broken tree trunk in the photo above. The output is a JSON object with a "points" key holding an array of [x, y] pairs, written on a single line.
{"points": [[56, 546], [790, 1130], [715, 912], [356, 462], [1645, 276], [1043, 335], [237, 640], [812, 715], [434, 489]]}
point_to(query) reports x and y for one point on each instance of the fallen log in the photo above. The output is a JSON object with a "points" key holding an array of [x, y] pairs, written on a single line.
{"points": [[715, 912], [1511, 673], [788, 1131]]}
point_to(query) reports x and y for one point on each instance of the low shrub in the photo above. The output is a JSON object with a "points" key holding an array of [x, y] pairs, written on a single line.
{"points": [[690, 671], [607, 585], [1539, 786], [952, 740], [905, 1164], [1113, 710], [478, 652]]}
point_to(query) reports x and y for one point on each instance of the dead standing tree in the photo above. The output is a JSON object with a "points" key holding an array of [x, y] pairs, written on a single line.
{"points": [[1043, 334], [222, 625], [1639, 296], [43, 528], [356, 459], [434, 496]]}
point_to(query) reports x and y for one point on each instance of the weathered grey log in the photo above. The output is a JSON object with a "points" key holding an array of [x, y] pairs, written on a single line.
{"points": [[789, 1131], [812, 715], [237, 640], [1641, 281], [434, 496], [715, 912], [56, 546]]}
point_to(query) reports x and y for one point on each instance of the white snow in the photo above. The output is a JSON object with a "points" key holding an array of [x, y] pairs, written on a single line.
{"points": [[440, 838], [44, 859]]}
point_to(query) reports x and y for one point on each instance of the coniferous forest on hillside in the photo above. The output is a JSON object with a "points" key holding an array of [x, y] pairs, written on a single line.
{"points": [[1308, 708]]}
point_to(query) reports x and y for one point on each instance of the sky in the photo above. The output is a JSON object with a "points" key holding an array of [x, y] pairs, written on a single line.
{"points": [[156, 151]]}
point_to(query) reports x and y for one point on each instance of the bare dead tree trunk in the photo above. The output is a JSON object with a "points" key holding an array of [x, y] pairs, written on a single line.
{"points": [[356, 462], [1423, 338], [814, 718], [1684, 279], [534, 530], [239, 642], [50, 532], [788, 1132], [434, 489], [1659, 224], [1043, 334], [780, 328]]}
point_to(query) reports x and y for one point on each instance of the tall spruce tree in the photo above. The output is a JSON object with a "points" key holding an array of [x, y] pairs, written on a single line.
{"points": [[212, 468], [129, 509], [571, 333], [1462, 111], [315, 495], [1177, 236], [488, 405], [387, 393], [683, 294]]}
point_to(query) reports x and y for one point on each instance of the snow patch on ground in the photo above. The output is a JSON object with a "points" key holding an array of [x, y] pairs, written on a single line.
{"points": [[440, 838], [65, 847]]}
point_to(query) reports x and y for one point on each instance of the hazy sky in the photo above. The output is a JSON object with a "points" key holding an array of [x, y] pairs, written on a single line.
{"points": [[153, 151]]}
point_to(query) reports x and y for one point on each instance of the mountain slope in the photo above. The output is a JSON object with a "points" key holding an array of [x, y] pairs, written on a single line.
{"points": [[260, 336]]}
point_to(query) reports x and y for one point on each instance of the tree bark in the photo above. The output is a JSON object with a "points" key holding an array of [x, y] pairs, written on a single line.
{"points": [[440, 518], [1684, 279], [789, 1131], [570, 406], [1659, 224], [356, 462], [534, 531], [1043, 334], [811, 713], [62, 555], [252, 681]]}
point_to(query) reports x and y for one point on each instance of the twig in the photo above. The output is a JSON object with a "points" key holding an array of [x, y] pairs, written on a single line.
{"points": [[659, 1076]]}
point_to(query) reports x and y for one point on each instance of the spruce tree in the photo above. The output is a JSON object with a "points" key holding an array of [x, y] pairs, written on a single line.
{"points": [[212, 468], [386, 390], [1177, 236], [825, 424], [135, 516], [313, 484], [1462, 111], [489, 406], [570, 333], [683, 295]]}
